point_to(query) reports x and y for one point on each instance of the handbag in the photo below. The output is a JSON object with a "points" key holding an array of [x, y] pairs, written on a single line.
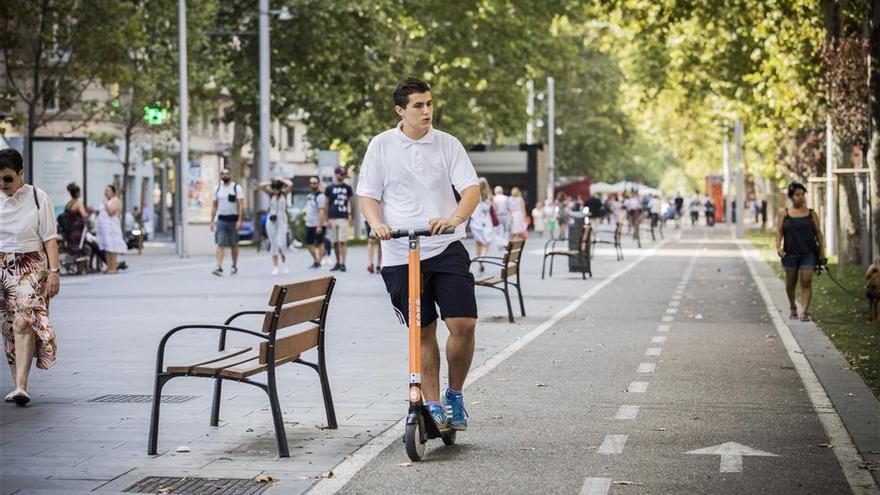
{"points": [[494, 216]]}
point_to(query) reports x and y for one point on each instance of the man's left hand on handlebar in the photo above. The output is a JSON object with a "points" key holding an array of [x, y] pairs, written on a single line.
{"points": [[439, 225], [381, 232]]}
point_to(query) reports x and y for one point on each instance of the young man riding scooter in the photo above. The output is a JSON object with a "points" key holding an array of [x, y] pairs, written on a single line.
{"points": [[406, 181]]}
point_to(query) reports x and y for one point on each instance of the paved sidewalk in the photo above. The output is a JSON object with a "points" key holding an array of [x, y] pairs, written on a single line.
{"points": [[108, 329]]}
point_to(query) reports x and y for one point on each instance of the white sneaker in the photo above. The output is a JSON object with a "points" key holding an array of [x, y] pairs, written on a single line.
{"points": [[9, 396], [275, 271], [284, 269]]}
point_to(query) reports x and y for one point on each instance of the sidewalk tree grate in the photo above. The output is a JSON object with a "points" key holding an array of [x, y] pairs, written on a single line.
{"points": [[197, 486], [142, 399]]}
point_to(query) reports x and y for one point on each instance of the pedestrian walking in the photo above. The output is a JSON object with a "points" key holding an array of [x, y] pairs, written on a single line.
{"points": [[518, 225], [481, 221], [228, 207], [276, 220], [406, 180], [109, 227], [29, 274], [563, 214], [801, 247], [502, 210], [314, 220], [594, 206], [339, 209], [550, 213], [538, 222]]}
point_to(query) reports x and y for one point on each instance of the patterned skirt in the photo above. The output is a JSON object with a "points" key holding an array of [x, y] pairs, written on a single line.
{"points": [[23, 280]]}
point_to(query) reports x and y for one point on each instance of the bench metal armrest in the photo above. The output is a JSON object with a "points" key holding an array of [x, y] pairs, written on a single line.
{"points": [[486, 259], [221, 345], [489, 262], [160, 353], [551, 243]]}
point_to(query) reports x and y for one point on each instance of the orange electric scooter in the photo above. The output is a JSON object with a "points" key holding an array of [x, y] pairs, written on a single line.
{"points": [[420, 426]]}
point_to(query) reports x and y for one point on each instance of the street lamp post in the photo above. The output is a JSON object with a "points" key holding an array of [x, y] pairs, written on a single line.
{"points": [[263, 166], [182, 216], [551, 136], [740, 183], [725, 186], [530, 111]]}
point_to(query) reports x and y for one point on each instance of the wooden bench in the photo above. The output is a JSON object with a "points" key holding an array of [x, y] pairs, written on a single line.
{"points": [[582, 252], [616, 236], [509, 264], [301, 310]]}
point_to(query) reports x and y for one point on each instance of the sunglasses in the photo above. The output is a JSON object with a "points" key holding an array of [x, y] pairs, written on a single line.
{"points": [[8, 179]]}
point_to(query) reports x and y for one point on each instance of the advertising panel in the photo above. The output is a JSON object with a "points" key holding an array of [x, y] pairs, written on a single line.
{"points": [[55, 163]]}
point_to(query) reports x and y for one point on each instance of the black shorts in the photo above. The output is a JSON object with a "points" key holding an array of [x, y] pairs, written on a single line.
{"points": [[313, 238], [446, 282]]}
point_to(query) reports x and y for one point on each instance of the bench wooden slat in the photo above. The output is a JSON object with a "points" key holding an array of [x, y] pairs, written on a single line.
{"points": [[488, 280], [187, 368], [295, 313], [290, 345], [301, 290], [212, 368], [252, 367]]}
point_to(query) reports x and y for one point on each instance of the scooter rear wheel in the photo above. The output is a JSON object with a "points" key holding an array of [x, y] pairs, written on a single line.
{"points": [[412, 438], [448, 437]]}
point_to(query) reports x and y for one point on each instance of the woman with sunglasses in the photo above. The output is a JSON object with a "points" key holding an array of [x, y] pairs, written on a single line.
{"points": [[29, 274]]}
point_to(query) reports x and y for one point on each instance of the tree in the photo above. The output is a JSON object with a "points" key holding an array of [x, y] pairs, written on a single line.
{"points": [[53, 51], [874, 112]]}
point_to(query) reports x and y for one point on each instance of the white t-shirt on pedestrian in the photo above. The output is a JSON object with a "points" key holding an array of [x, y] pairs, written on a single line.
{"points": [[502, 204], [24, 227], [413, 181], [223, 193]]}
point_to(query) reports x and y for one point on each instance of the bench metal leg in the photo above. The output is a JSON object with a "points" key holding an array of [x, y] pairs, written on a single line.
{"points": [[215, 405], [153, 439], [507, 300], [277, 418], [522, 307], [551, 264], [543, 266], [328, 398]]}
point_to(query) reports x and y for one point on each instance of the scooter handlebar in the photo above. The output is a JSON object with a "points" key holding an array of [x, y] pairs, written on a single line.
{"points": [[398, 233]]}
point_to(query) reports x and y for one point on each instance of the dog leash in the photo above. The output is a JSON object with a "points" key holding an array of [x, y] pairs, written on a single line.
{"points": [[837, 282]]}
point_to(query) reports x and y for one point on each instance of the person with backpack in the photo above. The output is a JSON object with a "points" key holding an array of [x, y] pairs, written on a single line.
{"points": [[228, 206], [276, 220], [31, 274], [314, 220], [803, 249]]}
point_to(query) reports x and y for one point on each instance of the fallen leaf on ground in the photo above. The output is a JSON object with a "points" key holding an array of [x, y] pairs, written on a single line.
{"points": [[825, 445], [165, 490], [183, 448], [497, 417], [660, 429], [526, 448], [265, 478], [322, 427], [328, 474], [870, 466], [542, 385], [627, 483], [405, 464]]}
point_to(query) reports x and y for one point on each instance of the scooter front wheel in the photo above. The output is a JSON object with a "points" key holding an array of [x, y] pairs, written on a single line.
{"points": [[413, 439]]}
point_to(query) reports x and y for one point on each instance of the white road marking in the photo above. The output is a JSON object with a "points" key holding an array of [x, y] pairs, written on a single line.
{"points": [[663, 328], [346, 470], [646, 368], [596, 486], [674, 302], [667, 318], [860, 480], [627, 412], [731, 455], [671, 311], [653, 351], [636, 388], [658, 339], [613, 444]]}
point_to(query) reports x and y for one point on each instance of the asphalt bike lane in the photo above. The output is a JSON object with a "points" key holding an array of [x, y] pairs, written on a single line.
{"points": [[671, 379]]}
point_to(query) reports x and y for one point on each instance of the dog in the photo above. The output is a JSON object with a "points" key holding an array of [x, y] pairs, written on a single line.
{"points": [[872, 292]]}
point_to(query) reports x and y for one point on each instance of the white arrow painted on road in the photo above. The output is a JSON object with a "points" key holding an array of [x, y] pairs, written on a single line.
{"points": [[731, 455]]}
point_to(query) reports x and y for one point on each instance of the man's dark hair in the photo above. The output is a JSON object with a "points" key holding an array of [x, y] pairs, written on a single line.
{"points": [[407, 87], [112, 188], [11, 159], [793, 187]]}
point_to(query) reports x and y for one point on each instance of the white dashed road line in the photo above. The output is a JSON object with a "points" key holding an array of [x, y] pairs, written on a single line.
{"points": [[646, 368], [596, 486], [613, 444], [627, 412], [637, 387]]}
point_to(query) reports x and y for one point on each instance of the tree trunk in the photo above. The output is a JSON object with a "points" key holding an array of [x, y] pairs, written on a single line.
{"points": [[126, 167], [32, 125], [239, 135], [874, 142], [849, 230]]}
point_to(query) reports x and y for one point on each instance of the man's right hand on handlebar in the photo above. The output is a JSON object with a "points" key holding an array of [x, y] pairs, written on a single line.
{"points": [[381, 232]]}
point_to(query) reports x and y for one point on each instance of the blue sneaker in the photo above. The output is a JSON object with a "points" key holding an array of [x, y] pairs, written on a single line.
{"points": [[438, 414], [455, 409]]}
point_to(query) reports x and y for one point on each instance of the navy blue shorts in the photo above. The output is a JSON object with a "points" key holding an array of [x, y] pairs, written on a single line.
{"points": [[795, 262], [446, 282]]}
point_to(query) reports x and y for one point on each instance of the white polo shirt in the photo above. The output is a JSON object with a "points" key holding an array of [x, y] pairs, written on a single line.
{"points": [[413, 180]]}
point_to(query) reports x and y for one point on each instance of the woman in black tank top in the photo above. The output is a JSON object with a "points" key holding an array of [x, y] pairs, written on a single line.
{"points": [[803, 249]]}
